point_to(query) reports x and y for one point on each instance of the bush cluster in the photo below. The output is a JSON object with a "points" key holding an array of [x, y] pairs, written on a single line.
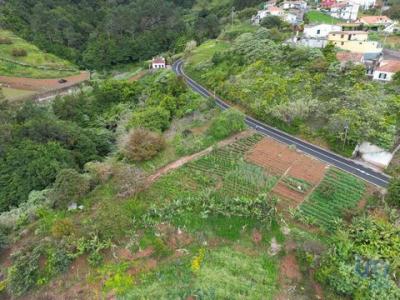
{"points": [[5, 41], [143, 144], [227, 123], [18, 52], [69, 187]]}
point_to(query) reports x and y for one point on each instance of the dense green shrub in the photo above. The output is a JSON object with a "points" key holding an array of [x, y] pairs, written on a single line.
{"points": [[153, 118], [3, 238], [247, 13], [58, 260], [143, 144], [227, 123], [29, 166], [26, 212], [69, 187], [112, 91], [362, 260], [24, 272], [393, 196], [28, 270], [2, 97]]}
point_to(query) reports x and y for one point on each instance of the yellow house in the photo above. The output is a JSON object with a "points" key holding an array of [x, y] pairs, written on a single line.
{"points": [[354, 41], [343, 36]]}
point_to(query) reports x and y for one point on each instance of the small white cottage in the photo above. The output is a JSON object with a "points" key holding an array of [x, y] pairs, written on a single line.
{"points": [[158, 63]]}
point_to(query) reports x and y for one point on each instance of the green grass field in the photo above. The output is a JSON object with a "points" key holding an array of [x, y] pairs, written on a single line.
{"points": [[15, 94], [35, 58], [224, 274], [207, 50], [316, 17]]}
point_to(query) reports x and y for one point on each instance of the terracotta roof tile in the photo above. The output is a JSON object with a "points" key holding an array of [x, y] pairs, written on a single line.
{"points": [[391, 66], [375, 19], [344, 56], [158, 60]]}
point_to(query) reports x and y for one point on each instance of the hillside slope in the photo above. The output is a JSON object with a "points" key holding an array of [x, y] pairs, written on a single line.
{"points": [[20, 58]]}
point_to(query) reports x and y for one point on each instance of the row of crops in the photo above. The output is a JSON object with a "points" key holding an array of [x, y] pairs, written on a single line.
{"points": [[239, 177], [338, 192]]}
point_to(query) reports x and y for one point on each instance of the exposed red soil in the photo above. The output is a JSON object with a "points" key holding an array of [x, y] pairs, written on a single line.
{"points": [[126, 254], [289, 276], [362, 204], [43, 84], [289, 267], [295, 198], [273, 156], [256, 236], [281, 160], [308, 169]]}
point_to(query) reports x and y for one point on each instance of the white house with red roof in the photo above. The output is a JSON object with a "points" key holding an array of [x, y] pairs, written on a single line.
{"points": [[268, 11], [275, 11], [386, 70], [158, 63], [365, 4], [375, 20]]}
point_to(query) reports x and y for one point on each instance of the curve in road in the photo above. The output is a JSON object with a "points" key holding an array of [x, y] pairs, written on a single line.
{"points": [[324, 155]]}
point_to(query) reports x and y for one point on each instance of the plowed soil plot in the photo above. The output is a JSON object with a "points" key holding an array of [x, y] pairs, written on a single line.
{"points": [[308, 169], [300, 173], [294, 198], [273, 156]]}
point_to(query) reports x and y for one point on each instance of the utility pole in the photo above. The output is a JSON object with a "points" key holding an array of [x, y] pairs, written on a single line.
{"points": [[346, 130]]}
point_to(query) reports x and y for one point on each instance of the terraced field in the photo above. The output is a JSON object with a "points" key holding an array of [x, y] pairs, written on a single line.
{"points": [[238, 176], [337, 192]]}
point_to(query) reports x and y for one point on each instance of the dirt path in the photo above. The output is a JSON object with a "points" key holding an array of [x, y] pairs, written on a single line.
{"points": [[138, 75], [43, 84], [184, 160]]}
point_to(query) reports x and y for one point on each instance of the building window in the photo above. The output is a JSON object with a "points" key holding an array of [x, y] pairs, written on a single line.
{"points": [[360, 43], [342, 36], [318, 31], [342, 43], [382, 75]]}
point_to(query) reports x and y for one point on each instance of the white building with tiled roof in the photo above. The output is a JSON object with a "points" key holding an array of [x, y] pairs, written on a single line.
{"points": [[386, 70], [158, 63]]}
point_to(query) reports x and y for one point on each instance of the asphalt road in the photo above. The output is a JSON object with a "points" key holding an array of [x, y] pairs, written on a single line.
{"points": [[326, 156]]}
